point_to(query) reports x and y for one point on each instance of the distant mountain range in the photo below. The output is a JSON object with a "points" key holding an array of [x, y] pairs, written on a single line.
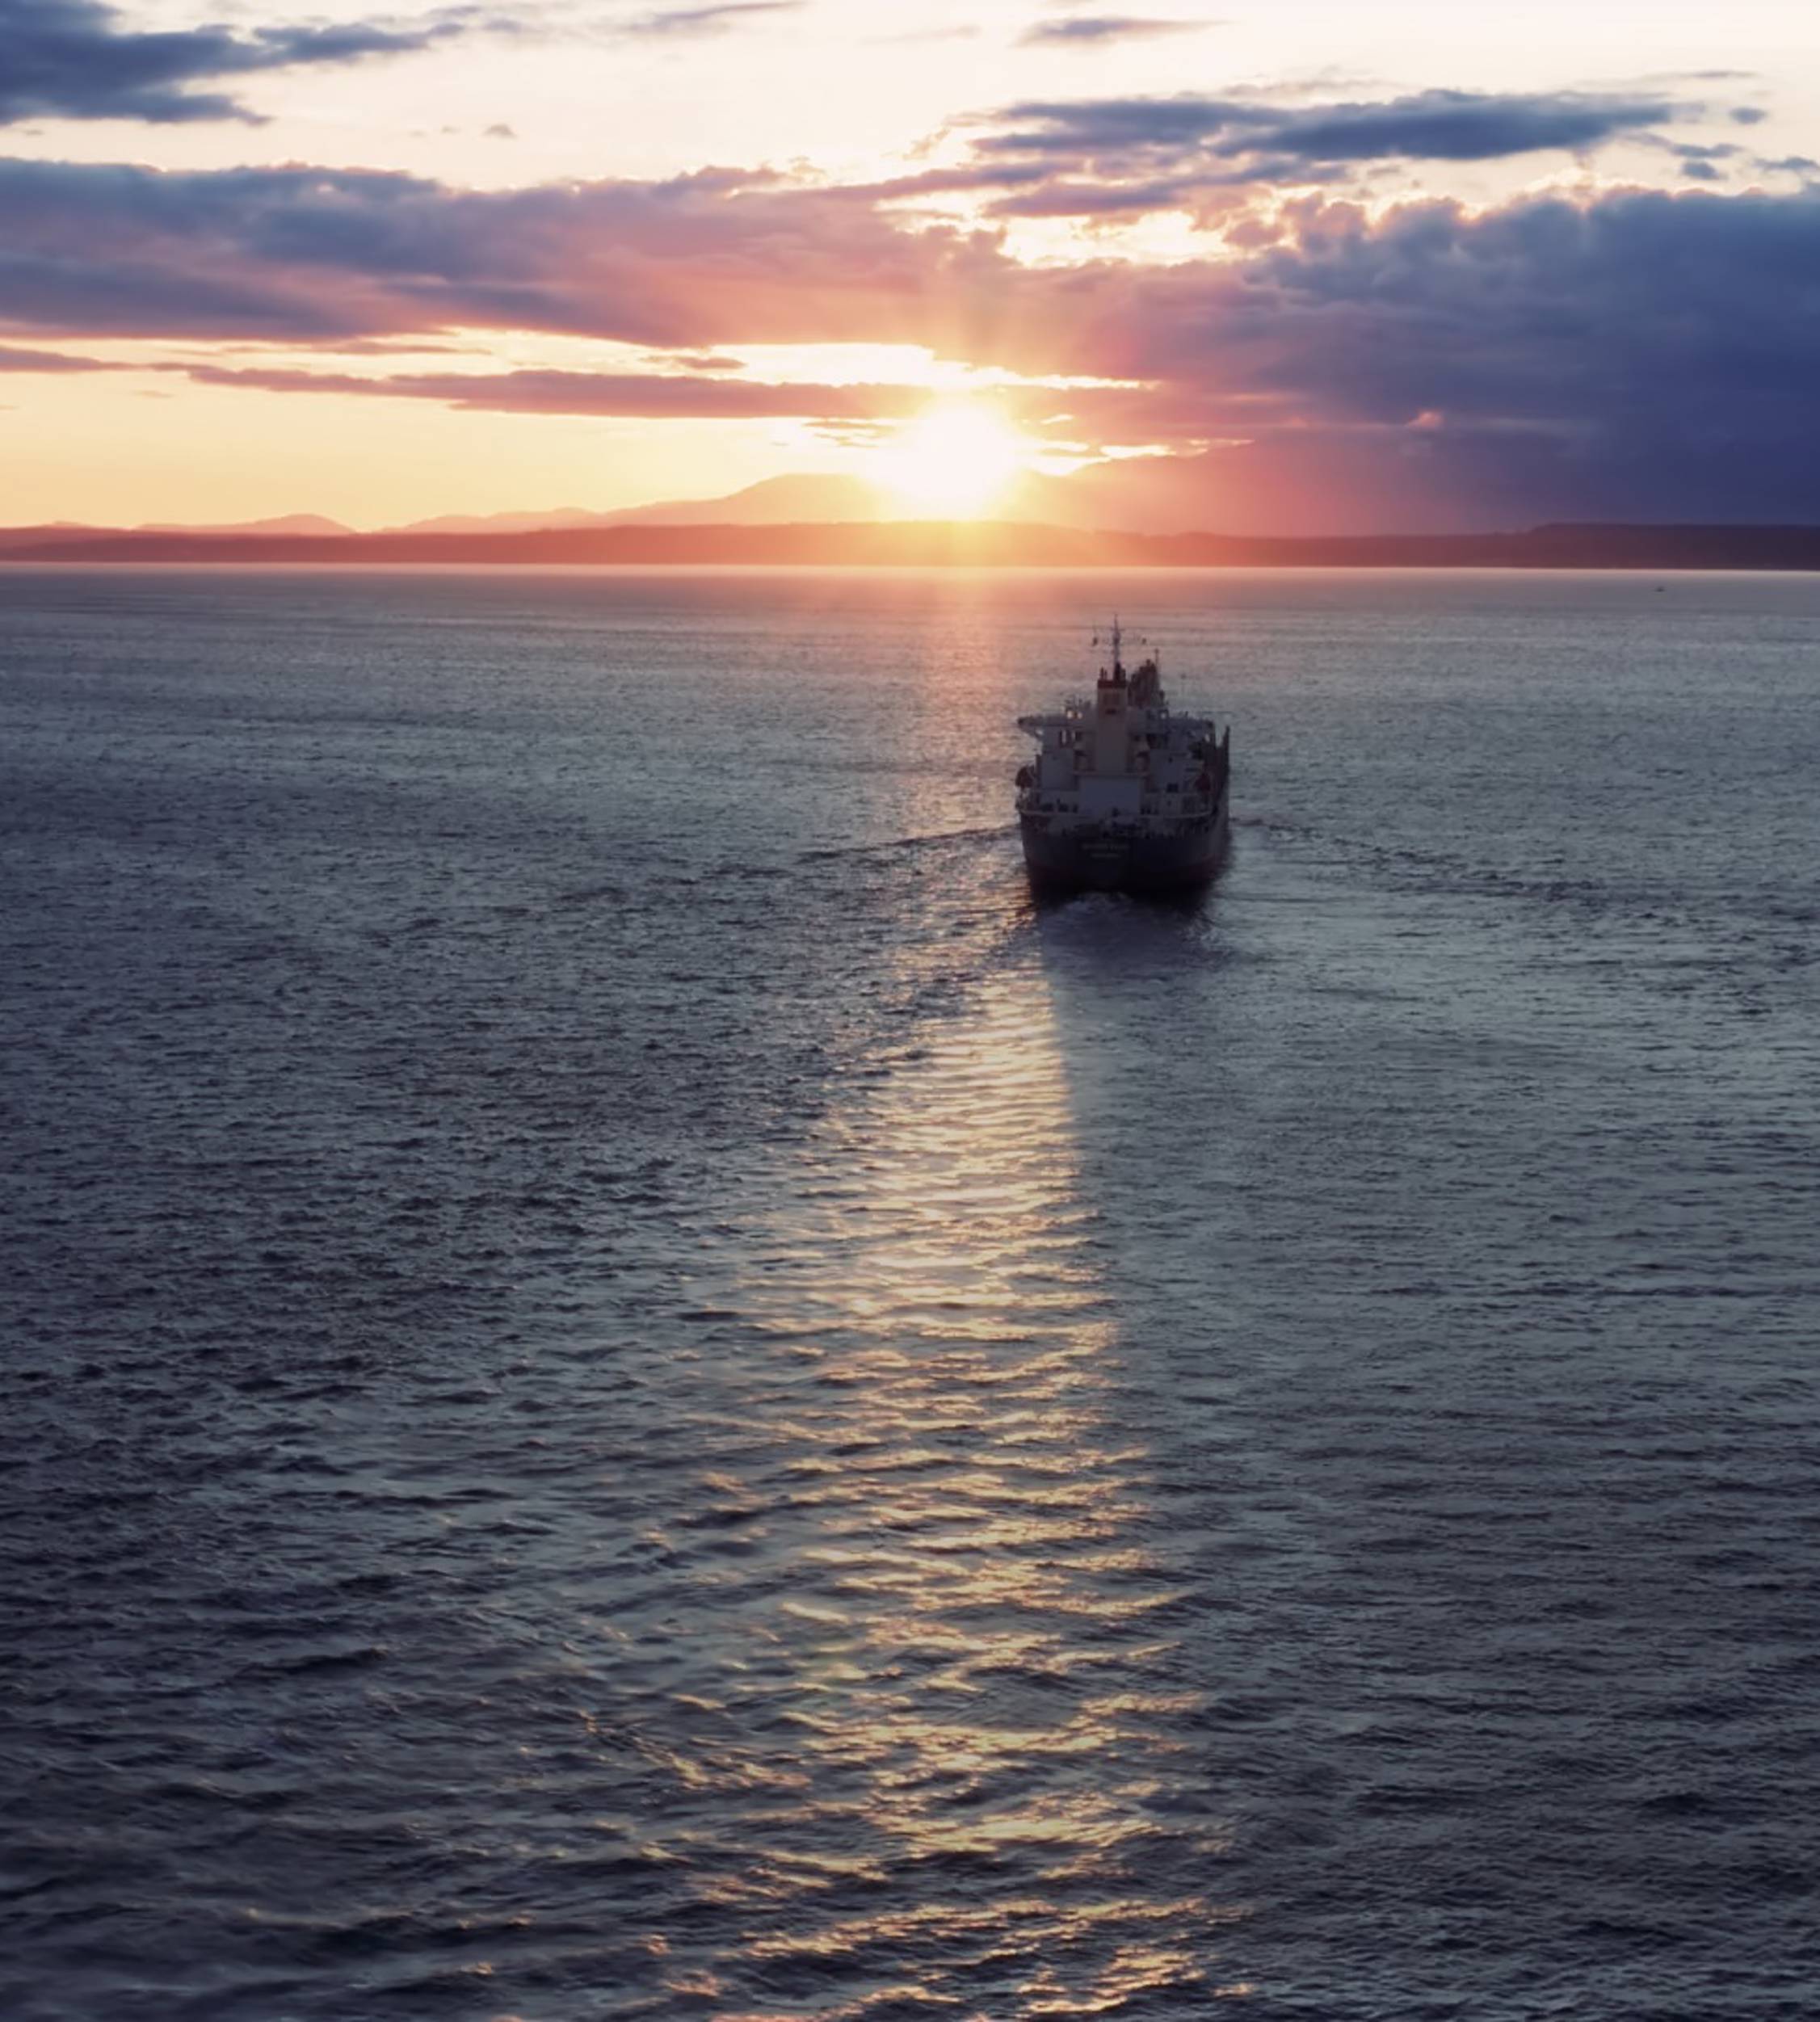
{"points": [[774, 502], [290, 523], [812, 499], [763, 527], [1034, 498]]}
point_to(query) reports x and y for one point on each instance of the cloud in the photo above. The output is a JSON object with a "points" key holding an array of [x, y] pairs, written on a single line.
{"points": [[1092, 31], [71, 59], [705, 20], [1459, 126], [306, 254], [642, 395], [702, 362], [1100, 148], [1118, 158], [698, 396], [1633, 353], [1641, 354], [14, 360]]}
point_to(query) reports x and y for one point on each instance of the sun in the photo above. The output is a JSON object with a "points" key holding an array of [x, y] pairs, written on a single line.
{"points": [[954, 461]]}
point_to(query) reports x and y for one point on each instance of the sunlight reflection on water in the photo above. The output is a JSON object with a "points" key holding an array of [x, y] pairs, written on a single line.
{"points": [[984, 1682]]}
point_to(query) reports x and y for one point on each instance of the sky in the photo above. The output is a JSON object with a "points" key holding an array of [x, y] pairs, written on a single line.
{"points": [[1303, 267]]}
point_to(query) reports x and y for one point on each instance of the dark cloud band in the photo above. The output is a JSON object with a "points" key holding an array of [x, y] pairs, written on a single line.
{"points": [[1094, 31], [1635, 354], [706, 20], [73, 60], [1112, 156]]}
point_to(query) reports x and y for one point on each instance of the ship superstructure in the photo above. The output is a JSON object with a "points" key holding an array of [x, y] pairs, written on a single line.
{"points": [[1125, 795]]}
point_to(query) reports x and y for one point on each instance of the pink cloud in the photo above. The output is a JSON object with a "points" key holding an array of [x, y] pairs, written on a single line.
{"points": [[1641, 351]]}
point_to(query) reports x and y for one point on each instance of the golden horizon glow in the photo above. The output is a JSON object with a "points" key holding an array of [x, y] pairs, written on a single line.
{"points": [[785, 194], [956, 460]]}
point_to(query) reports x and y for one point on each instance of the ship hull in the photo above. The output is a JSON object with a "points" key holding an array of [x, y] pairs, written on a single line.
{"points": [[1103, 857]]}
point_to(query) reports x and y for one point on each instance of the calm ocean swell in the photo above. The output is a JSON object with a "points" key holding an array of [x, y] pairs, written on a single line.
{"points": [[634, 1390]]}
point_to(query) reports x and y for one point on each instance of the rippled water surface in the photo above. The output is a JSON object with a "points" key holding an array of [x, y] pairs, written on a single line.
{"points": [[632, 1390]]}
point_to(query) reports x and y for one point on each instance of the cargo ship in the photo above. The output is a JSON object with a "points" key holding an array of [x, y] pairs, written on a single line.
{"points": [[1124, 795]]}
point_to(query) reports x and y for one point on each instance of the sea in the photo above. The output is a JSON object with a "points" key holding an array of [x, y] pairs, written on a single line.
{"points": [[635, 1389]]}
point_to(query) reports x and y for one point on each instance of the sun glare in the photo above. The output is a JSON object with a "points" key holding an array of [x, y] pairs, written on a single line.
{"points": [[954, 461]]}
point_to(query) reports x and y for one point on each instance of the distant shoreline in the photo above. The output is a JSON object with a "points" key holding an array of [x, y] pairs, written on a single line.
{"points": [[1659, 549]]}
